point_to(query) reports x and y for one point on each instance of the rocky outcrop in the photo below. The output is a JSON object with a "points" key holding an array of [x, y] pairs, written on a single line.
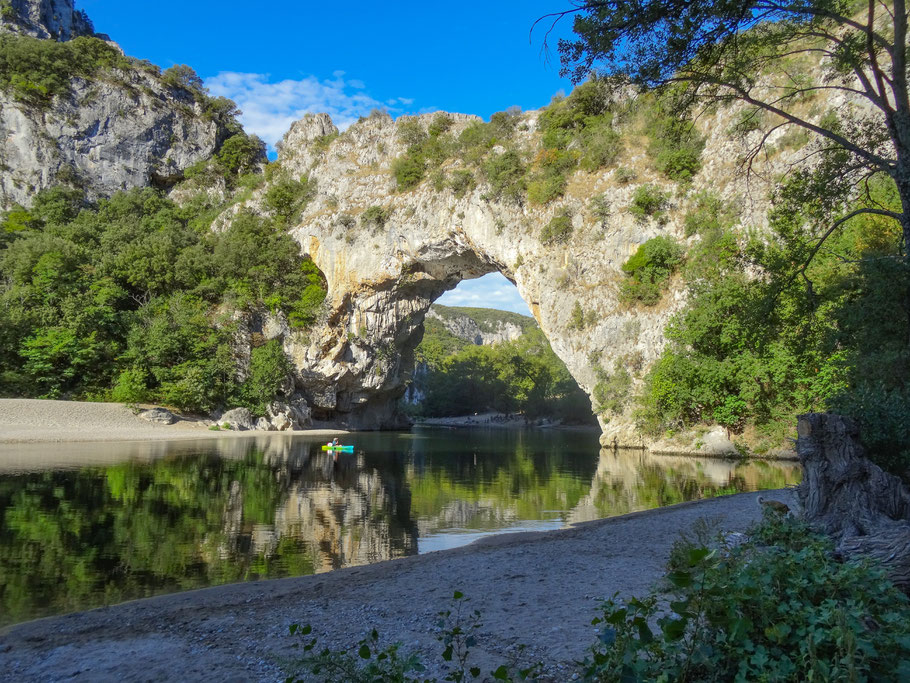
{"points": [[238, 418], [51, 19], [111, 134], [383, 275], [159, 416], [122, 128]]}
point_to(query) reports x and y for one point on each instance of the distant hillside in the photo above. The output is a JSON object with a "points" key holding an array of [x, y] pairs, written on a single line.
{"points": [[479, 359], [480, 326]]}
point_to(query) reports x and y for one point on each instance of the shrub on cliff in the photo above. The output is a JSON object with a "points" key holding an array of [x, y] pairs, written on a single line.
{"points": [[648, 201], [35, 71], [558, 230], [505, 174], [649, 269]]}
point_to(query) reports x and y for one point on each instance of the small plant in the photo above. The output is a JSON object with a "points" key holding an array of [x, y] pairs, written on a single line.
{"points": [[612, 390], [364, 663], [648, 201], [624, 175], [375, 217], [577, 318], [599, 206], [558, 230], [368, 662], [649, 269]]}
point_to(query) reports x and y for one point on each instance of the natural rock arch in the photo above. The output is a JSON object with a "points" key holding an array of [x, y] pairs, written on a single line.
{"points": [[387, 255]]}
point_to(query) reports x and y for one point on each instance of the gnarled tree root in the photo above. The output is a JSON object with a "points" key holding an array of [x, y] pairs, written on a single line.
{"points": [[865, 509]]}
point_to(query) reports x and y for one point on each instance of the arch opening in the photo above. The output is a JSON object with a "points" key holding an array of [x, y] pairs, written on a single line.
{"points": [[482, 358]]}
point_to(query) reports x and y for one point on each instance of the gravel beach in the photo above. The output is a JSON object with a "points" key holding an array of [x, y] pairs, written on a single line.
{"points": [[32, 421], [536, 589]]}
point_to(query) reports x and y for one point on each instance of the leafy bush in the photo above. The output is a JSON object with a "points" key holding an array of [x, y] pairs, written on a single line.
{"points": [[183, 77], [558, 230], [549, 178], [649, 269], [35, 71], [241, 153], [375, 217], [288, 197], [478, 138], [505, 174], [462, 181], [269, 370], [674, 143], [408, 171], [648, 201], [776, 608], [624, 175]]}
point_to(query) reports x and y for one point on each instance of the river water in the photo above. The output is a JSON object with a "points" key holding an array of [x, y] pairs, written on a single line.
{"points": [[86, 525]]}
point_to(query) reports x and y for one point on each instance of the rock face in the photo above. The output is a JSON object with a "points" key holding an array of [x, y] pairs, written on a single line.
{"points": [[382, 278], [124, 128], [53, 19], [110, 134]]}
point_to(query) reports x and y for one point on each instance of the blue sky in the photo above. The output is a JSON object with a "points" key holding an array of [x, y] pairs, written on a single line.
{"points": [[279, 60]]}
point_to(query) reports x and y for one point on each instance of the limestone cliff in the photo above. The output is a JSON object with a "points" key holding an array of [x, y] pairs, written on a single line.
{"points": [[53, 19], [120, 127], [387, 254]]}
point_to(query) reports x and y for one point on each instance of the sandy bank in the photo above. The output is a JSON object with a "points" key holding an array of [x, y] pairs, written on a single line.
{"points": [[540, 589], [32, 421]]}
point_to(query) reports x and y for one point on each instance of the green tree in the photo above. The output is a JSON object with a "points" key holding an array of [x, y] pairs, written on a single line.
{"points": [[735, 51]]}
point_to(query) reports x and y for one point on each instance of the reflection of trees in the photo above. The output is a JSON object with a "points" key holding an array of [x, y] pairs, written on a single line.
{"points": [[76, 539], [630, 479], [539, 478]]}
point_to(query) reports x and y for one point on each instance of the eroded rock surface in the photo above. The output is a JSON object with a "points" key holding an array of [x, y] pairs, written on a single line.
{"points": [[382, 278], [123, 128], [53, 19]]}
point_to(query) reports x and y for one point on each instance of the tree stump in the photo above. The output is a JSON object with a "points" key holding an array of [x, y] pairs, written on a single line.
{"points": [[865, 509]]}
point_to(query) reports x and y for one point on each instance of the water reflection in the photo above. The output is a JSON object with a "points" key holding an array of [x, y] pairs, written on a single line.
{"points": [[92, 524]]}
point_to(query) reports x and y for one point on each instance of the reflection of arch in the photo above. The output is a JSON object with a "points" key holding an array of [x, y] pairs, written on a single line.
{"points": [[345, 513]]}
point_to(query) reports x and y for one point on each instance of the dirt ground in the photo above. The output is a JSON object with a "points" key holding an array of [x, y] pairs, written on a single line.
{"points": [[537, 589]]}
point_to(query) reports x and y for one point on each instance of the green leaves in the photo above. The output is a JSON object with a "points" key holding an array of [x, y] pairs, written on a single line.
{"points": [[762, 611]]}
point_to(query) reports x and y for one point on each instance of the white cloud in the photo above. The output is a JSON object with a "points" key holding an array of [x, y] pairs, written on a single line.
{"points": [[269, 108], [489, 291]]}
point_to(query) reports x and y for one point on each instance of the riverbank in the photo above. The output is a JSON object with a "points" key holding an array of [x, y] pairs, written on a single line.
{"points": [[537, 589], [38, 421], [498, 421]]}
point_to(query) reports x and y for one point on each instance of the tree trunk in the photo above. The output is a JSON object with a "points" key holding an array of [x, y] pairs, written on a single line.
{"points": [[865, 509]]}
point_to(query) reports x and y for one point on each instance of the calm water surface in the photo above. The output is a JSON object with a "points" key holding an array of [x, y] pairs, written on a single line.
{"points": [[87, 525]]}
